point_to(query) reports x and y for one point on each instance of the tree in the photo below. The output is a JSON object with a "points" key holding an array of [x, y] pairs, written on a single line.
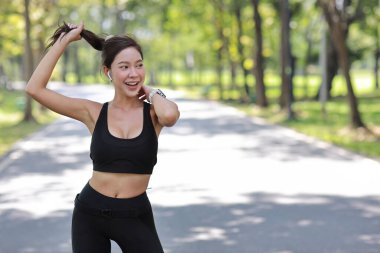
{"points": [[338, 21], [258, 58], [237, 7], [371, 24], [330, 66], [286, 61], [28, 61], [218, 22]]}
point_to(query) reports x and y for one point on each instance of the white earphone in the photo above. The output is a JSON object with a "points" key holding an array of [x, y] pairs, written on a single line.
{"points": [[109, 75]]}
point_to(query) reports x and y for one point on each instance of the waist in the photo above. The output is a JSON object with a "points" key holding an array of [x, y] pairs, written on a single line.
{"points": [[93, 202], [124, 166], [119, 185]]}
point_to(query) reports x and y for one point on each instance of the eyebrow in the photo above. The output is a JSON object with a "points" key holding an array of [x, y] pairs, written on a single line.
{"points": [[127, 62]]}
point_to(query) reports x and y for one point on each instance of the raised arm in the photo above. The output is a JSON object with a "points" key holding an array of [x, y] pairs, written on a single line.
{"points": [[165, 111], [75, 108]]}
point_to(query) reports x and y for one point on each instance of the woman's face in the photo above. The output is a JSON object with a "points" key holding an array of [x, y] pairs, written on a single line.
{"points": [[127, 71]]}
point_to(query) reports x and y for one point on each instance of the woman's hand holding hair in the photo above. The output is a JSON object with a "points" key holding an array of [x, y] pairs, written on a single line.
{"points": [[36, 86], [67, 33], [73, 34]]}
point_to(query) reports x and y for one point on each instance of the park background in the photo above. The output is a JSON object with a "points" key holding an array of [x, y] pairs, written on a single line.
{"points": [[227, 181], [311, 65]]}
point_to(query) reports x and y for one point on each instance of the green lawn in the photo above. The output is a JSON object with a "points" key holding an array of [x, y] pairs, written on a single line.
{"points": [[12, 128], [334, 126]]}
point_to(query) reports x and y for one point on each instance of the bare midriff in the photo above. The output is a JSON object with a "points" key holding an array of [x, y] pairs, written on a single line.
{"points": [[119, 185]]}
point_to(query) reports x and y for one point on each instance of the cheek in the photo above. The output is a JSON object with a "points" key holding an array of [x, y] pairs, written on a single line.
{"points": [[118, 74]]}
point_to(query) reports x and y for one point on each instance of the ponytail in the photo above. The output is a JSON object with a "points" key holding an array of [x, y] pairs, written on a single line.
{"points": [[110, 46], [94, 40]]}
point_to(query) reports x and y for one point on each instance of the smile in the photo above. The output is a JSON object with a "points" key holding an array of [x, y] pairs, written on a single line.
{"points": [[132, 83]]}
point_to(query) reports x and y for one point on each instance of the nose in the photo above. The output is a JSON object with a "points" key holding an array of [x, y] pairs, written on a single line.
{"points": [[132, 72]]}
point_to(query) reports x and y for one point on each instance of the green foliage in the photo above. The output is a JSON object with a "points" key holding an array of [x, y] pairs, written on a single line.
{"points": [[171, 30], [11, 113], [180, 41]]}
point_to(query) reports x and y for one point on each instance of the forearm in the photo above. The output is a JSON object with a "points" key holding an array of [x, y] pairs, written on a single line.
{"points": [[44, 70], [167, 111]]}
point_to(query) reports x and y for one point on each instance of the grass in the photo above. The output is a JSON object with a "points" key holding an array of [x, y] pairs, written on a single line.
{"points": [[12, 128], [334, 126]]}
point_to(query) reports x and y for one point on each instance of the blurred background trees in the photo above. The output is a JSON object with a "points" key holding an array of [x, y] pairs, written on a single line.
{"points": [[248, 51]]}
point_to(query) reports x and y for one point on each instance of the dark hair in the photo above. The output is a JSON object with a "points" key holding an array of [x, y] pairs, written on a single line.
{"points": [[110, 47]]}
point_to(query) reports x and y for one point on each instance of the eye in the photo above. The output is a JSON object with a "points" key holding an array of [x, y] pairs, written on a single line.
{"points": [[124, 67], [140, 65]]}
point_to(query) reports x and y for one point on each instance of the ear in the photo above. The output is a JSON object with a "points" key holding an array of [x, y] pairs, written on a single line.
{"points": [[107, 72]]}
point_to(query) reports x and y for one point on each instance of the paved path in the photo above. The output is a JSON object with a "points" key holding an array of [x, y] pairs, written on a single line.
{"points": [[223, 183]]}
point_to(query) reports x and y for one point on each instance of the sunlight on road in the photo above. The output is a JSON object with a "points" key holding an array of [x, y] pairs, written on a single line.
{"points": [[220, 179], [42, 195], [211, 158], [208, 157]]}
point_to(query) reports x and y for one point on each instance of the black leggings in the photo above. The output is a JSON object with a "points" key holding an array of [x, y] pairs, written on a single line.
{"points": [[97, 219]]}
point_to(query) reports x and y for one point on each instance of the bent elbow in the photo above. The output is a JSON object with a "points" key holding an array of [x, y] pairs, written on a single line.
{"points": [[29, 90], [170, 118]]}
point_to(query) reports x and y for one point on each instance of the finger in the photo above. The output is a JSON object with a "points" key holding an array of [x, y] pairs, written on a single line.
{"points": [[81, 25], [71, 26]]}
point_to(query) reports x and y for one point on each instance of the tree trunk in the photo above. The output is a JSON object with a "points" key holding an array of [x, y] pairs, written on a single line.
{"points": [[337, 28], [245, 96], [258, 58], [305, 73], [286, 68], [28, 61], [331, 66], [376, 69], [233, 75], [65, 60], [377, 58], [77, 64], [219, 53], [219, 72]]}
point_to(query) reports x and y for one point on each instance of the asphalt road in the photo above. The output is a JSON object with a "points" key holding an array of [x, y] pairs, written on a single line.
{"points": [[223, 183]]}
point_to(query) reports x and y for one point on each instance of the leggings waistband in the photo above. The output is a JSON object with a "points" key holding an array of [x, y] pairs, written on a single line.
{"points": [[94, 199], [106, 213]]}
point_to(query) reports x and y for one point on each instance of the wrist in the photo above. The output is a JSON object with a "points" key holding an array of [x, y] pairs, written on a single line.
{"points": [[61, 43], [154, 92]]}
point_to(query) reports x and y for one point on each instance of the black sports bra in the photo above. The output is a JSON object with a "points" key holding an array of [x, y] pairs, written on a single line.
{"points": [[112, 154]]}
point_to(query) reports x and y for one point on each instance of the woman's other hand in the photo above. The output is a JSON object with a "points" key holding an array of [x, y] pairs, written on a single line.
{"points": [[144, 92]]}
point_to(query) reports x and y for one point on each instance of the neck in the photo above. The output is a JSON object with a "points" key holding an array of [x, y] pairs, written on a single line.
{"points": [[125, 102]]}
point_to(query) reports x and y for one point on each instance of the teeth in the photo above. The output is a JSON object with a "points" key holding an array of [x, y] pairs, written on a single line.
{"points": [[131, 83]]}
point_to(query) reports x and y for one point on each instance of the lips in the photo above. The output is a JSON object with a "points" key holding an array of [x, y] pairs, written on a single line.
{"points": [[132, 83]]}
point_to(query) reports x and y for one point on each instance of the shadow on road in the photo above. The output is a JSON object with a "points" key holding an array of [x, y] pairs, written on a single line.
{"points": [[269, 223], [273, 223], [51, 162]]}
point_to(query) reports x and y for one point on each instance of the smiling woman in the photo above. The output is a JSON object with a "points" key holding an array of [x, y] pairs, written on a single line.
{"points": [[124, 143]]}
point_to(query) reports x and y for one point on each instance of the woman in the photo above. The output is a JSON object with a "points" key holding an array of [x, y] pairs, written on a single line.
{"points": [[113, 205]]}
